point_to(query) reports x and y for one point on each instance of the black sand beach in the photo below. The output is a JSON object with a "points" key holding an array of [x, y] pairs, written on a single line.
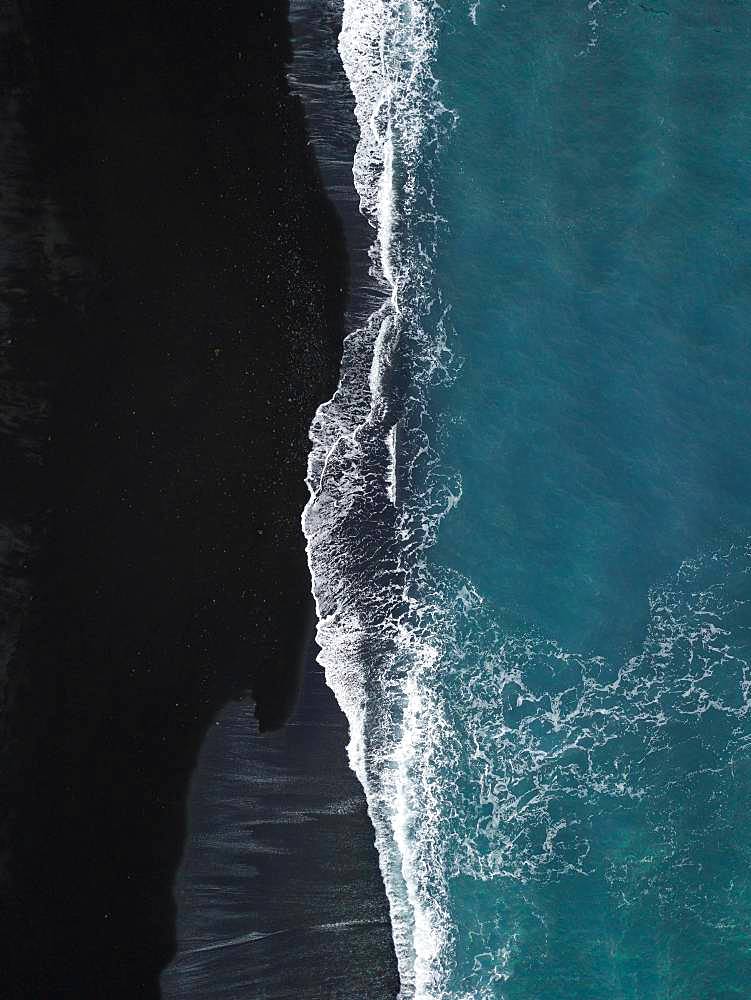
{"points": [[178, 282], [279, 894]]}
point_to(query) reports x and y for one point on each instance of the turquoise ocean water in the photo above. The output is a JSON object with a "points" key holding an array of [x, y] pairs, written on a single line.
{"points": [[545, 430]]}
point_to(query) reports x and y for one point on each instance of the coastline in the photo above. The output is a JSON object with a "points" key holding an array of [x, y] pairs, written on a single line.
{"points": [[171, 576], [378, 492], [279, 894], [302, 909]]}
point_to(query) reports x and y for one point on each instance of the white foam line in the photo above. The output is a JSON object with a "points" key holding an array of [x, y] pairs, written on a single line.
{"points": [[391, 473], [385, 48]]}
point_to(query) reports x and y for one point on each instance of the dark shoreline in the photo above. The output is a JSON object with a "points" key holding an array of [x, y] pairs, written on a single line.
{"points": [[184, 298], [279, 892], [318, 77]]}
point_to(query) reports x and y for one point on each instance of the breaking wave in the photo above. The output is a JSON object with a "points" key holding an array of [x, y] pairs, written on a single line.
{"points": [[376, 495]]}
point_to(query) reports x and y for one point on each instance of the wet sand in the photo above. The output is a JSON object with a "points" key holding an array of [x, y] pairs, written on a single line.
{"points": [[279, 893]]}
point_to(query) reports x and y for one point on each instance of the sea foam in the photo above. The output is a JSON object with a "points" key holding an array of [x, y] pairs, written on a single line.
{"points": [[369, 469]]}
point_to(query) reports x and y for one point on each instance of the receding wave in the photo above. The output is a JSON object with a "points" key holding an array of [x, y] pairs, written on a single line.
{"points": [[368, 516]]}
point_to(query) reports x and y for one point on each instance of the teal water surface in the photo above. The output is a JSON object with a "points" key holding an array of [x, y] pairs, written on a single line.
{"points": [[593, 686]]}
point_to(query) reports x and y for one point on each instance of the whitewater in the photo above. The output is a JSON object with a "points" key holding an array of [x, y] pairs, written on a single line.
{"points": [[366, 521]]}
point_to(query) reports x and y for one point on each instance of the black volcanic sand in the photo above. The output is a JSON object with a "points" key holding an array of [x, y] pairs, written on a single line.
{"points": [[279, 894], [179, 288]]}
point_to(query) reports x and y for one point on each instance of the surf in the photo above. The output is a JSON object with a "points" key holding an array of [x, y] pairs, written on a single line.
{"points": [[364, 524]]}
